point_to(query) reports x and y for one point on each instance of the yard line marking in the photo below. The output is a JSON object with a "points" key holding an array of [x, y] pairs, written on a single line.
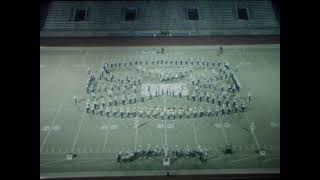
{"points": [[78, 159], [195, 133], [215, 159], [224, 133], [56, 114], [56, 161], [106, 138], [275, 158], [89, 160], [165, 132], [252, 132], [241, 159], [76, 138], [109, 149], [49, 131], [136, 138], [58, 66], [165, 120], [165, 124]]}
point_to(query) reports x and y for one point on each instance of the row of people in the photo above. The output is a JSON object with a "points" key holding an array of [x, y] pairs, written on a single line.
{"points": [[131, 155], [146, 62], [168, 113]]}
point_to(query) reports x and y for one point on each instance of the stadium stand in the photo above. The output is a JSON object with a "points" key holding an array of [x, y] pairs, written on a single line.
{"points": [[160, 18]]}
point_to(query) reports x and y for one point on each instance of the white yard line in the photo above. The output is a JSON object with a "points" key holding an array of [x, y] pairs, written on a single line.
{"points": [[165, 120], [165, 132], [76, 138], [165, 125], [224, 133], [107, 133], [78, 159], [89, 160], [80, 152], [56, 114], [275, 158], [252, 132], [195, 133], [56, 161], [52, 124], [241, 159], [109, 148], [218, 158], [58, 66], [136, 138], [43, 153]]}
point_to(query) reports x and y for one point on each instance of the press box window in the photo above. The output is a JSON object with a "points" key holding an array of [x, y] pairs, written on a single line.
{"points": [[243, 13], [131, 14], [193, 14], [80, 14]]}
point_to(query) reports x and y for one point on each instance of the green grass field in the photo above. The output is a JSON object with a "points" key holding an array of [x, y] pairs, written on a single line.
{"points": [[96, 139]]}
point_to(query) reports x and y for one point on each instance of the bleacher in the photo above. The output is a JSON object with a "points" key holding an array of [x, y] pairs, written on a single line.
{"points": [[106, 18]]}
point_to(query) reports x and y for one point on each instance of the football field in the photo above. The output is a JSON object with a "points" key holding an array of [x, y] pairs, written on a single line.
{"points": [[148, 94]]}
